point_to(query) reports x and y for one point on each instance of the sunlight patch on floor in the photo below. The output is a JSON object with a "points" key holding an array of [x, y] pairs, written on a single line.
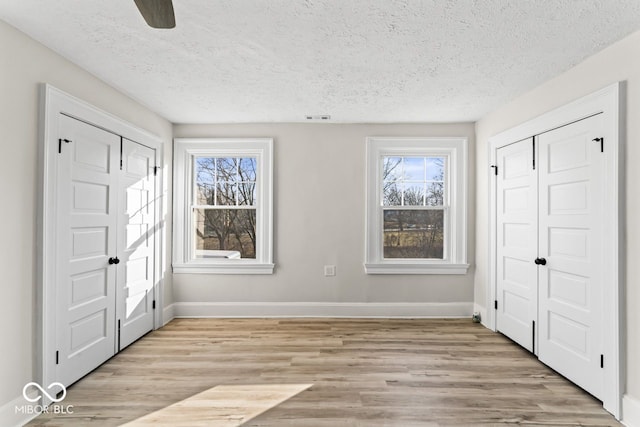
{"points": [[222, 406]]}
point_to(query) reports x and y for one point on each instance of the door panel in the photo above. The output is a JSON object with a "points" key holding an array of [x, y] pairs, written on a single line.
{"points": [[517, 242], [136, 242], [570, 288], [86, 238]]}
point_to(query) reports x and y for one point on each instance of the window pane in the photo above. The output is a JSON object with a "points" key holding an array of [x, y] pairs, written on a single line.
{"points": [[413, 169], [391, 168], [204, 171], [205, 194], [231, 230], [247, 170], [413, 234], [435, 194], [435, 168], [226, 194], [247, 194], [413, 194], [227, 169], [392, 194]]}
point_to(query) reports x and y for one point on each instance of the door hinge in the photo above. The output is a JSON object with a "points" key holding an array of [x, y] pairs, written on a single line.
{"points": [[57, 357], [601, 141], [495, 169], [153, 305], [155, 171], [533, 336], [60, 141], [495, 304], [118, 334], [534, 153], [602, 360]]}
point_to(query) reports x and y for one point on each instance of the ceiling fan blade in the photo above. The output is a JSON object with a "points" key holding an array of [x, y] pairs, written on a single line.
{"points": [[157, 13]]}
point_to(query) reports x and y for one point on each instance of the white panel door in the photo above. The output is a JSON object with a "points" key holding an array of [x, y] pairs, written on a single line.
{"points": [[571, 207], [517, 240], [136, 237], [86, 240]]}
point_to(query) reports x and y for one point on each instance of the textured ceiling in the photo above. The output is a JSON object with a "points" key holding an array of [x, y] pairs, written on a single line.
{"points": [[357, 60]]}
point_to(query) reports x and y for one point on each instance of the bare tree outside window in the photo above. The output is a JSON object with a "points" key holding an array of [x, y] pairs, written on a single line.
{"points": [[225, 199], [413, 197]]}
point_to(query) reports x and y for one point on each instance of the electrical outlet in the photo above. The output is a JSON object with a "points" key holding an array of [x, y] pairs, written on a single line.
{"points": [[329, 270]]}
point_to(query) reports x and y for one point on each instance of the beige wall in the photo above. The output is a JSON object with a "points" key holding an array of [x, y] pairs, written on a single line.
{"points": [[619, 62], [319, 210], [25, 64]]}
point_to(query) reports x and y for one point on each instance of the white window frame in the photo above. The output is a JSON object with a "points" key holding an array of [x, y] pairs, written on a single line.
{"points": [[185, 150], [455, 252]]}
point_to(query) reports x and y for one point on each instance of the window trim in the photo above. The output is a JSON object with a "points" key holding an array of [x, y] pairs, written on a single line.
{"points": [[455, 256], [185, 149]]}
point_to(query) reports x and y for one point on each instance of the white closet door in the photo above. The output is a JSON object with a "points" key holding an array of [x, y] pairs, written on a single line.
{"points": [[136, 237], [517, 241], [571, 169], [86, 239]]}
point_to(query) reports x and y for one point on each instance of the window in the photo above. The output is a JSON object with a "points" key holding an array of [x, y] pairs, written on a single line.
{"points": [[416, 206], [223, 206]]}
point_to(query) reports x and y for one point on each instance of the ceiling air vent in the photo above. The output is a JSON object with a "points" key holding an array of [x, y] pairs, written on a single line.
{"points": [[319, 117]]}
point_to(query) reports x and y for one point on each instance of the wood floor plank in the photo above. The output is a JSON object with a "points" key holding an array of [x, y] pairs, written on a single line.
{"points": [[365, 372]]}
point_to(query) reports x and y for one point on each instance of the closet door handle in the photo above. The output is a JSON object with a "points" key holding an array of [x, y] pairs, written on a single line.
{"points": [[114, 260], [540, 261]]}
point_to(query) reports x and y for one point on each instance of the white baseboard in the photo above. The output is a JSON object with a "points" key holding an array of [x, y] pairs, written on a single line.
{"points": [[321, 309], [630, 411], [168, 314], [10, 417]]}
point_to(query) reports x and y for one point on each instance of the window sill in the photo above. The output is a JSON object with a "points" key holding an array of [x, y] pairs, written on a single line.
{"points": [[401, 268], [232, 267]]}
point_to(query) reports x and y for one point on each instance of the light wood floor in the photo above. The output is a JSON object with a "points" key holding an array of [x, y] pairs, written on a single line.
{"points": [[365, 372]]}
